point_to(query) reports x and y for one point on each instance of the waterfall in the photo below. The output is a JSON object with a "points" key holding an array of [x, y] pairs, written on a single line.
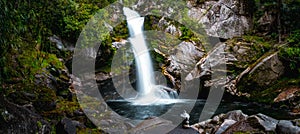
{"points": [[147, 89]]}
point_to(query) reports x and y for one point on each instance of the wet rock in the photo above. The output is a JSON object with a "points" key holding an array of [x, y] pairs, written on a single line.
{"points": [[19, 119], [218, 119], [180, 60], [68, 126], [289, 97], [219, 123], [58, 79], [287, 94], [119, 44], [267, 122], [236, 115], [288, 127], [184, 59], [61, 44], [251, 124], [179, 130], [154, 125], [78, 113], [254, 123], [102, 76], [110, 122], [237, 121], [207, 126], [296, 122], [215, 59], [227, 123], [186, 56]]}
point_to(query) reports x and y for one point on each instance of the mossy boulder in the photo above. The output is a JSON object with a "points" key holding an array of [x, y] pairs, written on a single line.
{"points": [[262, 75]]}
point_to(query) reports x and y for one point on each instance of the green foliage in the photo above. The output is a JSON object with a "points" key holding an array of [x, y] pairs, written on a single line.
{"points": [[120, 31], [294, 38], [157, 57], [258, 41], [27, 25], [291, 53], [186, 33], [36, 62]]}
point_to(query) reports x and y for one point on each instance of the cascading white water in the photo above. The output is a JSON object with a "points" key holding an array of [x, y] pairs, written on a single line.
{"points": [[142, 56], [147, 89]]}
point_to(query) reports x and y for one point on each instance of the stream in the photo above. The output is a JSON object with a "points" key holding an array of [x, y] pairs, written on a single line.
{"points": [[140, 112]]}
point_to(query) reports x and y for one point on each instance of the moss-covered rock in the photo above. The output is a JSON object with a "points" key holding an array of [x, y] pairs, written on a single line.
{"points": [[263, 74]]}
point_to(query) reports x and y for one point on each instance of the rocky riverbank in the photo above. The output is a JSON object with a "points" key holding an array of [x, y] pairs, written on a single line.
{"points": [[238, 122]]}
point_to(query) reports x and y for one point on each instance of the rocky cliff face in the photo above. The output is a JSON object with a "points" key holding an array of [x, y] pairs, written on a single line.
{"points": [[223, 18]]}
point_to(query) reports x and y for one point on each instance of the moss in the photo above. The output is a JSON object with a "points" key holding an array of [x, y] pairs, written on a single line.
{"points": [[89, 131], [258, 39], [151, 23], [157, 58], [67, 107], [270, 93], [39, 124], [120, 31], [290, 54], [32, 62], [254, 47]]}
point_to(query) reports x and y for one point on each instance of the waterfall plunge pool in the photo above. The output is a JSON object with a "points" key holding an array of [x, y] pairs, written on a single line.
{"points": [[140, 112]]}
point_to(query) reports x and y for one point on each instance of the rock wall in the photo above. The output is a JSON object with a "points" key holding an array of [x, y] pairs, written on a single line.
{"points": [[223, 18]]}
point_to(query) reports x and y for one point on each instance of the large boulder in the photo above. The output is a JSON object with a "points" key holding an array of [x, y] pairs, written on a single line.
{"points": [[236, 115], [251, 124], [227, 123], [68, 126], [288, 127], [263, 74], [182, 61]]}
